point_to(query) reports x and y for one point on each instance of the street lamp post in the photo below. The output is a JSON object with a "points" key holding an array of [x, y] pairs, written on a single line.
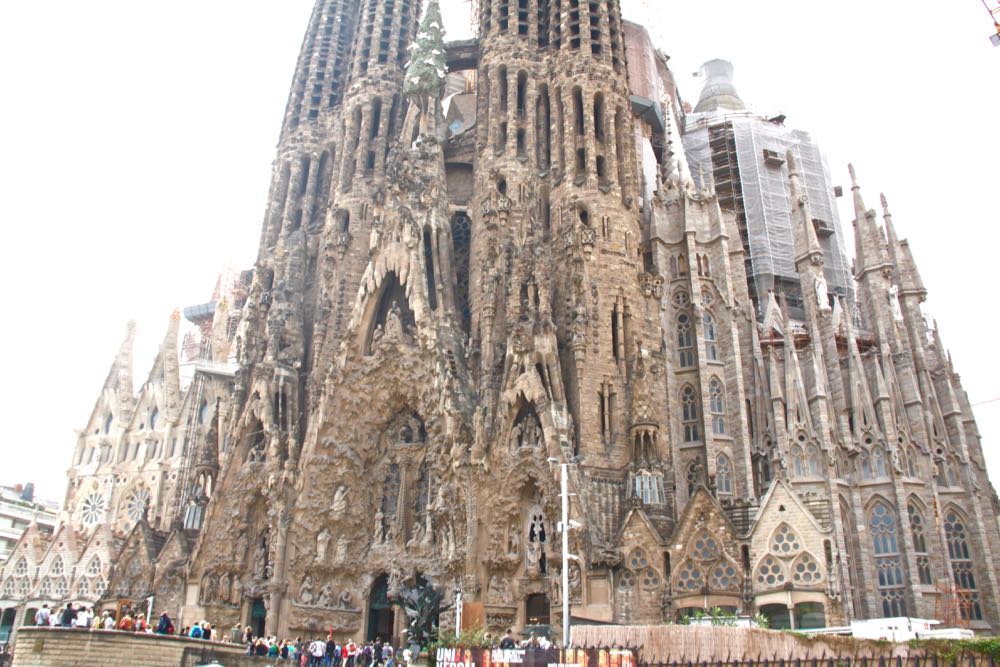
{"points": [[564, 492]]}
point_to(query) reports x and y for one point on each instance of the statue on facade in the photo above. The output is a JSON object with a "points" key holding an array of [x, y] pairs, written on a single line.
{"points": [[322, 542]]}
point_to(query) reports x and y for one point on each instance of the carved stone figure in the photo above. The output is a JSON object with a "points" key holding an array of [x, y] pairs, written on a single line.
{"points": [[339, 500], [306, 591], [325, 598], [322, 542]]}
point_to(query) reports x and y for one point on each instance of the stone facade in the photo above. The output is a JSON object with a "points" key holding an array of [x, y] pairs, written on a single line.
{"points": [[438, 312]]}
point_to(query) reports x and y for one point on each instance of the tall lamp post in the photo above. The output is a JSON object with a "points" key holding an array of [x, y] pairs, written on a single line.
{"points": [[564, 526]]}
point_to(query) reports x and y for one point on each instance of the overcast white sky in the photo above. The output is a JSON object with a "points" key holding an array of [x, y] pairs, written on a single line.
{"points": [[136, 140]]}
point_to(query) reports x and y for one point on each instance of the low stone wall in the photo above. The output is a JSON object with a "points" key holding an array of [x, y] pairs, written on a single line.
{"points": [[67, 647]]}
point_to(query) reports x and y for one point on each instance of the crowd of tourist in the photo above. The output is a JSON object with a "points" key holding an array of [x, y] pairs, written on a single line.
{"points": [[327, 652], [317, 652]]}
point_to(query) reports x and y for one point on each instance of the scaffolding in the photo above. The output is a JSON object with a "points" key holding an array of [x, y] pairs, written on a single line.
{"points": [[745, 154]]}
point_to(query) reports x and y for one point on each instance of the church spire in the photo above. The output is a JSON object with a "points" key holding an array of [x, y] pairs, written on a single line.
{"points": [[904, 267], [119, 380], [806, 243]]}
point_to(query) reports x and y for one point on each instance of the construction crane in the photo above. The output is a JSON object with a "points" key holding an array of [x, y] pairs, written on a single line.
{"points": [[993, 7]]}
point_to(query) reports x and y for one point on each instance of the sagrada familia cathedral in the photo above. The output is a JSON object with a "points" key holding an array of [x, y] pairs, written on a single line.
{"points": [[481, 260]]}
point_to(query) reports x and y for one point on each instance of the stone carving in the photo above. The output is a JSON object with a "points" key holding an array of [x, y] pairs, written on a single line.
{"points": [[322, 542], [306, 591], [339, 500], [499, 591]]}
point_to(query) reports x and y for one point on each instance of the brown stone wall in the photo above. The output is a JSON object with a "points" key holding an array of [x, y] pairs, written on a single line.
{"points": [[62, 647]]}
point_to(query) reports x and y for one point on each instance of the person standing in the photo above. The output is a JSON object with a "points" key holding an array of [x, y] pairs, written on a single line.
{"points": [[42, 615]]}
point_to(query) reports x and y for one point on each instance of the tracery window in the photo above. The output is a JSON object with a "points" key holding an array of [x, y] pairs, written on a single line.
{"points": [[960, 556], [879, 463], [705, 547], [723, 474], [60, 588], [814, 460], [21, 568], [798, 465], [724, 577], [92, 509], [711, 346], [917, 527], [770, 572], [911, 462], [94, 567], [784, 541], [717, 406], [8, 588], [136, 504], [888, 562], [57, 567], [685, 341], [806, 571], [45, 589], [649, 488], [689, 414], [690, 578], [83, 588]]}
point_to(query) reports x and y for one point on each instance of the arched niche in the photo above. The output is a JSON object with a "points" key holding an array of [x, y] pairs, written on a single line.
{"points": [[526, 431], [392, 316]]}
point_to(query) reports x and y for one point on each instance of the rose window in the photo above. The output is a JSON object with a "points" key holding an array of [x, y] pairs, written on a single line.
{"points": [[705, 547], [136, 505], [92, 509]]}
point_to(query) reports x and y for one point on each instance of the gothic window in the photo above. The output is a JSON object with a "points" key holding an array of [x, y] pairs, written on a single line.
{"points": [[460, 239], [798, 464], [83, 588], [685, 341], [92, 509], [878, 462], [681, 297], [203, 413], [99, 587], [770, 572], [866, 466], [136, 505], [960, 556], [911, 462], [8, 588], [154, 418], [690, 578], [23, 587], [626, 580], [689, 415], [951, 470], [888, 562], [724, 577], [716, 405], [649, 488], [45, 589], [429, 268], [57, 567], [814, 460], [94, 567], [784, 541], [917, 527], [107, 423], [711, 346], [705, 547], [21, 568], [60, 588], [723, 475], [806, 571]]}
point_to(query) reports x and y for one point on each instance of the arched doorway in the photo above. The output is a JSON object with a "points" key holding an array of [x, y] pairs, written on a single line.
{"points": [[7, 624], [29, 616], [381, 615], [536, 609], [258, 616]]}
